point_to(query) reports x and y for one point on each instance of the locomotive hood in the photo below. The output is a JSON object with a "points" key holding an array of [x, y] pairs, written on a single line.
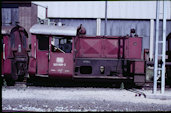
{"points": [[53, 30]]}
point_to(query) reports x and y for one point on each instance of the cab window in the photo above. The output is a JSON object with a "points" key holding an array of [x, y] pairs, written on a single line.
{"points": [[61, 44], [43, 42]]}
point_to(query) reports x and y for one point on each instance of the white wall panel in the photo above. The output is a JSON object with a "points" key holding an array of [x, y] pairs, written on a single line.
{"points": [[96, 9], [76, 9], [42, 12], [131, 9]]}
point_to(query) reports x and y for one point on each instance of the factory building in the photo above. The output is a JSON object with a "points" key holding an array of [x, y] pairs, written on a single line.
{"points": [[121, 17], [22, 12]]}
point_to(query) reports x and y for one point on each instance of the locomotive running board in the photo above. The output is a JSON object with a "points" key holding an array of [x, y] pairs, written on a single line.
{"points": [[103, 77], [41, 75]]}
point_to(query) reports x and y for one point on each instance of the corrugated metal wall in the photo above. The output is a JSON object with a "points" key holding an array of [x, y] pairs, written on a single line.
{"points": [[117, 27], [34, 14], [131, 9], [168, 30], [123, 27], [96, 9], [76, 9], [24, 13], [89, 24], [27, 16]]}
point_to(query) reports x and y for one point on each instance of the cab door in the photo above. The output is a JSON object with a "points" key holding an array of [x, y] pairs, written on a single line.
{"points": [[61, 57], [42, 54]]}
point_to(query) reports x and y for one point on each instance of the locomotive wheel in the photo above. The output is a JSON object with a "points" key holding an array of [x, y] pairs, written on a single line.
{"points": [[20, 78], [30, 80], [9, 80], [169, 76]]}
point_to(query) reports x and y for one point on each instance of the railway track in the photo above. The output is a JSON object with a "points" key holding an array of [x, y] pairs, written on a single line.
{"points": [[137, 93], [148, 86], [132, 88], [20, 84]]}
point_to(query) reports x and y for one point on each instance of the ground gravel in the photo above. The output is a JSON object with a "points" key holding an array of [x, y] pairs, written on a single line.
{"points": [[52, 99]]}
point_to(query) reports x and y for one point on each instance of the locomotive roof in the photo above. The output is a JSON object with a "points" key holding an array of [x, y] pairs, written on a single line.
{"points": [[53, 30], [6, 29]]}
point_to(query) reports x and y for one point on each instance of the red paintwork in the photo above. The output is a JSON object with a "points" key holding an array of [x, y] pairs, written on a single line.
{"points": [[61, 64], [33, 45], [108, 47], [32, 66], [133, 48], [32, 61], [7, 62], [11, 52], [53, 67], [111, 48], [98, 47], [42, 60], [137, 67], [7, 66], [18, 40], [89, 47], [2, 64]]}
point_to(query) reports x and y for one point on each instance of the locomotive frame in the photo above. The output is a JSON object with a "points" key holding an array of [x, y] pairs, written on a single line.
{"points": [[66, 52], [80, 56]]}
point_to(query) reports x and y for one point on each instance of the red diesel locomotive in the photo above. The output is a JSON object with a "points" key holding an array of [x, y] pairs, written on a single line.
{"points": [[66, 52], [15, 58]]}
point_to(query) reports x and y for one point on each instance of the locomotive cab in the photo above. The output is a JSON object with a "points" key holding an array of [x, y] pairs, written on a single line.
{"points": [[52, 51], [61, 56]]}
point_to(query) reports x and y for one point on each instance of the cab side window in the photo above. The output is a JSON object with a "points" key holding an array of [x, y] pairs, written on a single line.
{"points": [[43, 42], [62, 44]]}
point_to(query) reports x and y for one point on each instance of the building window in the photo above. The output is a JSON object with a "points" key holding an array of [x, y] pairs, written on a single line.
{"points": [[10, 14]]}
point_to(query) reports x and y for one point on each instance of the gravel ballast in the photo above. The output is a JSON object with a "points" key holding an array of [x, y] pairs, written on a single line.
{"points": [[78, 99]]}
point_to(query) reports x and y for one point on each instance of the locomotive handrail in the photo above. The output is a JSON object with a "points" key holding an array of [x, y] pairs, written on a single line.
{"points": [[151, 63], [60, 50], [49, 52], [4, 51], [104, 37], [35, 50]]}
